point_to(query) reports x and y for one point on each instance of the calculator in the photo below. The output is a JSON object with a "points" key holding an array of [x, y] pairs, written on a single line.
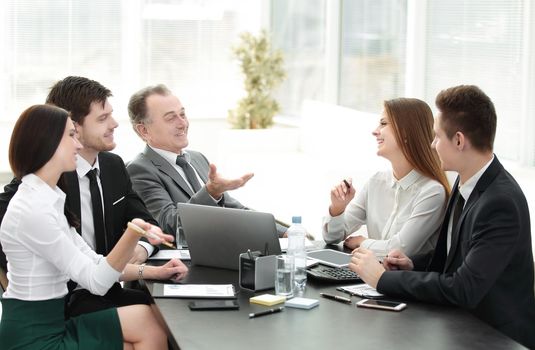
{"points": [[332, 274]]}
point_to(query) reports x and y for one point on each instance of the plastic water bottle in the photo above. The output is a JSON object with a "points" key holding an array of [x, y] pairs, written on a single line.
{"points": [[296, 247]]}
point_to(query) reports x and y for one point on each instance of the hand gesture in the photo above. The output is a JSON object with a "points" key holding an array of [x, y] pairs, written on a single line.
{"points": [[396, 260], [153, 233], [217, 184], [341, 195], [174, 270]]}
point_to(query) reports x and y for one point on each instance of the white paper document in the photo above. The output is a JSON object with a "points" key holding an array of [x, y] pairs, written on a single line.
{"points": [[198, 290], [362, 290], [166, 254]]}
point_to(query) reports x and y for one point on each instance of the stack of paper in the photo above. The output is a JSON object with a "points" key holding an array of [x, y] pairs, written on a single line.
{"points": [[209, 291], [267, 299], [302, 303]]}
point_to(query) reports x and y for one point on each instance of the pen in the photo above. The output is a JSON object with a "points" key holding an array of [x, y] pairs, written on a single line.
{"points": [[336, 298], [142, 232], [250, 254], [267, 312], [347, 184]]}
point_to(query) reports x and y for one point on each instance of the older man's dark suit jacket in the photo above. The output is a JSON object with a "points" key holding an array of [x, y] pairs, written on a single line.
{"points": [[121, 204], [489, 269]]}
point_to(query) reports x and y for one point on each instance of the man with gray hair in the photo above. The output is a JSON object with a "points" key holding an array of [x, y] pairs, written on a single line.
{"points": [[164, 174]]}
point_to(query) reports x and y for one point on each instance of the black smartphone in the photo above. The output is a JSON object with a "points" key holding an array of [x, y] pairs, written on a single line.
{"points": [[213, 305]]}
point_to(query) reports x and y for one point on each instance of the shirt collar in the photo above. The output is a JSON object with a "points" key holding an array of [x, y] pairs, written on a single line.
{"points": [[467, 188], [83, 166], [406, 181], [171, 156], [51, 194]]}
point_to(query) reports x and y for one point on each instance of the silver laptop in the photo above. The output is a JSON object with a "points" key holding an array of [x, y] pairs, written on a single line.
{"points": [[217, 236]]}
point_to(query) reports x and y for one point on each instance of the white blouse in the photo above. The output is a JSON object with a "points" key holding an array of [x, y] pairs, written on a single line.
{"points": [[405, 214], [43, 251]]}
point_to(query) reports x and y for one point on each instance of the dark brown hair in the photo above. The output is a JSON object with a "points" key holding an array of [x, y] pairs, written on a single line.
{"points": [[137, 106], [35, 138], [75, 94], [466, 108], [412, 122]]}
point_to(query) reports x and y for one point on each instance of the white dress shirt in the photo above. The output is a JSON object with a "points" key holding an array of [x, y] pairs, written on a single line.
{"points": [[86, 206], [403, 214], [171, 158], [465, 191], [43, 251]]}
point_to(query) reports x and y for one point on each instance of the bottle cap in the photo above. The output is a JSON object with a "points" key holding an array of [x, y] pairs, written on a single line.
{"points": [[296, 219]]}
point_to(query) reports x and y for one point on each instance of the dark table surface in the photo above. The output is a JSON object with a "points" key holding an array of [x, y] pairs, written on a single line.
{"points": [[330, 325]]}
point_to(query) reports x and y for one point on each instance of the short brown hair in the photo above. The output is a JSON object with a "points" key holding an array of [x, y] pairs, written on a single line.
{"points": [[466, 108], [137, 106], [35, 138], [75, 94], [412, 122]]}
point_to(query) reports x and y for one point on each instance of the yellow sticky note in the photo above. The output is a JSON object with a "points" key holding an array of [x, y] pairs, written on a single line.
{"points": [[267, 299]]}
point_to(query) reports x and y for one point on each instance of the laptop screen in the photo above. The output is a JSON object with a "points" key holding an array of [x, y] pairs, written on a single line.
{"points": [[216, 236]]}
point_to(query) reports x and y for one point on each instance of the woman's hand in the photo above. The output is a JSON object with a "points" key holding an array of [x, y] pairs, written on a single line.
{"points": [[174, 270], [341, 195], [153, 233], [353, 242]]}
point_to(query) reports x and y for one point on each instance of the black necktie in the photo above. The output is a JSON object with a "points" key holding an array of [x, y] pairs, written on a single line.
{"points": [[457, 213], [98, 216], [190, 173]]}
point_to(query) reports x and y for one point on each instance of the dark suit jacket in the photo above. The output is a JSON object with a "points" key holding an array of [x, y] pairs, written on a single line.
{"points": [[489, 269], [161, 187], [116, 184]]}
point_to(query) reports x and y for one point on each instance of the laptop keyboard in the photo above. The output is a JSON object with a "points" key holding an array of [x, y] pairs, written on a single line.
{"points": [[333, 274]]}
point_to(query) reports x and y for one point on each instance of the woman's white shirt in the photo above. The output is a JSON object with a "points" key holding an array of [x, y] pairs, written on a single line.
{"points": [[43, 251], [405, 214]]}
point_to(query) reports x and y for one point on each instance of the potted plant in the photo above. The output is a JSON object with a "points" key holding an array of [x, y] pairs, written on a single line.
{"points": [[262, 67]]}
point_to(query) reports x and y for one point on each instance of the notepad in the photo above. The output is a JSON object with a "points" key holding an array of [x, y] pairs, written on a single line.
{"points": [[267, 299], [362, 290], [302, 303], [166, 254], [200, 291]]}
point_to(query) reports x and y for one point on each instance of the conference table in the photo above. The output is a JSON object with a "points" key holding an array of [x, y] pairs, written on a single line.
{"points": [[331, 325]]}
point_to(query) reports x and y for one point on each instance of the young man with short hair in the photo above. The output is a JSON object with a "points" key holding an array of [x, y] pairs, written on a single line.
{"points": [[483, 259]]}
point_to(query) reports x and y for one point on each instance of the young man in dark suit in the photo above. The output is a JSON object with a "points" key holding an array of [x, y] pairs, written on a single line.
{"points": [[91, 112], [483, 260]]}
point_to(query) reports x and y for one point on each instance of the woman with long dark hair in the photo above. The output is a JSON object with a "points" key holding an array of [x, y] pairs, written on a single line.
{"points": [[44, 251]]}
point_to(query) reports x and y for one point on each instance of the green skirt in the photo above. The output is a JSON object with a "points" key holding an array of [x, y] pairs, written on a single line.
{"points": [[41, 325]]}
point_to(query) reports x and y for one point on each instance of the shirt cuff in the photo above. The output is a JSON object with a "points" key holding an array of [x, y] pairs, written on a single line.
{"points": [[148, 247], [106, 274]]}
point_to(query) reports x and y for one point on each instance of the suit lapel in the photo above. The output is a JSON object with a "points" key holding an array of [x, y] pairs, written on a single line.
{"points": [[457, 234], [197, 164], [72, 193], [440, 254], [166, 168], [106, 180]]}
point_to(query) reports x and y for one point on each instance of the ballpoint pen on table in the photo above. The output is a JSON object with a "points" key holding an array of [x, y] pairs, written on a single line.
{"points": [[267, 312], [142, 232], [336, 298]]}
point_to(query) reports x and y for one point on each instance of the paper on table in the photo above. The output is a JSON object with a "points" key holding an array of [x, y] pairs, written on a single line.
{"points": [[362, 290], [284, 243], [198, 290], [166, 254]]}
